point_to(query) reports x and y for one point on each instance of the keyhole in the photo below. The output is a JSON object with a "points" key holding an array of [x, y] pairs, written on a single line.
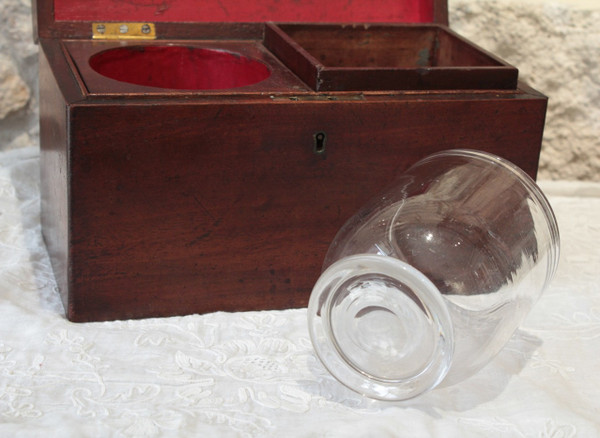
{"points": [[320, 140]]}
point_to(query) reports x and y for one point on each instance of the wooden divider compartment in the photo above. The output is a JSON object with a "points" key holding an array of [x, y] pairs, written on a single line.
{"points": [[337, 57]]}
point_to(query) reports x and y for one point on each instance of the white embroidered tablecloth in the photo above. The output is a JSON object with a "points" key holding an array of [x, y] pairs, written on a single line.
{"points": [[255, 373]]}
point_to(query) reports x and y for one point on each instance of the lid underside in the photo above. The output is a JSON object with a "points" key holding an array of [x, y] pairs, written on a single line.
{"points": [[409, 11]]}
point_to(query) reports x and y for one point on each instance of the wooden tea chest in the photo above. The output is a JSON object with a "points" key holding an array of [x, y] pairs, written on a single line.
{"points": [[199, 156]]}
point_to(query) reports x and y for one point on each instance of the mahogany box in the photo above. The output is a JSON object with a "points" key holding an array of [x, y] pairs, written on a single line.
{"points": [[199, 156]]}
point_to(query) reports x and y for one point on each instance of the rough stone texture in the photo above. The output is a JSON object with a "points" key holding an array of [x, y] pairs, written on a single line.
{"points": [[554, 43], [18, 76], [14, 93], [556, 46]]}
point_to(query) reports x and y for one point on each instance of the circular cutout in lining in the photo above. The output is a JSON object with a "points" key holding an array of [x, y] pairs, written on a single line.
{"points": [[179, 67]]}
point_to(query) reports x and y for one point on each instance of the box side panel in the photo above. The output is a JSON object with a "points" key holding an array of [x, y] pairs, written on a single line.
{"points": [[213, 206], [54, 170]]}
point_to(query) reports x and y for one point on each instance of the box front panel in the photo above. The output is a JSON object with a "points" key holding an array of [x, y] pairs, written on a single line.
{"points": [[212, 206]]}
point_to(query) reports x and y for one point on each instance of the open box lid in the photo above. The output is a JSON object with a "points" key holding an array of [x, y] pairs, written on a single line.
{"points": [[181, 18]]}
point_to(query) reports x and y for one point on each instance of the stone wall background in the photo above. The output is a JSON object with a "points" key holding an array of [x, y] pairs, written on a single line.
{"points": [[554, 43], [18, 76], [556, 46]]}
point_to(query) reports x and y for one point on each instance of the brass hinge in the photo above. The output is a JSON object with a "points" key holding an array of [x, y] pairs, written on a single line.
{"points": [[123, 31]]}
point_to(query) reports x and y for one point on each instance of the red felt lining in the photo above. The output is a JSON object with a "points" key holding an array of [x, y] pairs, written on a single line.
{"points": [[179, 67], [312, 11]]}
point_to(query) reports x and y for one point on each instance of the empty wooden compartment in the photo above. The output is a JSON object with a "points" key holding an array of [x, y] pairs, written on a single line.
{"points": [[337, 57]]}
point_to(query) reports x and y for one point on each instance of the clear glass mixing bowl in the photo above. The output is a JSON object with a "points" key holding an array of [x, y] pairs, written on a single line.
{"points": [[429, 281]]}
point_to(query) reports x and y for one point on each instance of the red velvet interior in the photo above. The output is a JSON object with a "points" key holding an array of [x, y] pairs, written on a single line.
{"points": [[312, 11], [179, 68]]}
